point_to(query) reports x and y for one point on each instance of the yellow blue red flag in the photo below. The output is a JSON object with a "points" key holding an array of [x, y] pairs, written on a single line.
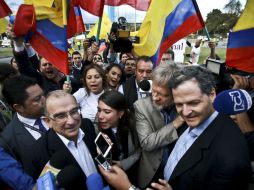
{"points": [[105, 28], [44, 23], [165, 23], [241, 41]]}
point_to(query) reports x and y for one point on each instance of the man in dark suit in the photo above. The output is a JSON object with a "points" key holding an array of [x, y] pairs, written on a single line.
{"points": [[68, 133], [212, 152], [130, 88], [25, 96]]}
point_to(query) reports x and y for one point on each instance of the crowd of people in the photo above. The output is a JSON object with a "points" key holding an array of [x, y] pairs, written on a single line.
{"points": [[171, 138]]}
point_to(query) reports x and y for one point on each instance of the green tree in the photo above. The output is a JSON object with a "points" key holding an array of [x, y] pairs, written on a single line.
{"points": [[233, 7]]}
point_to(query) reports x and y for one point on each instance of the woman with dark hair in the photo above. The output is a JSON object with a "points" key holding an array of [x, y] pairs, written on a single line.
{"points": [[94, 86], [115, 76], [14, 65], [118, 123]]}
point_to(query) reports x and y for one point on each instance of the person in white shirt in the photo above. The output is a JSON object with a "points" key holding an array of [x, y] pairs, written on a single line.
{"points": [[68, 133], [195, 52], [94, 85]]}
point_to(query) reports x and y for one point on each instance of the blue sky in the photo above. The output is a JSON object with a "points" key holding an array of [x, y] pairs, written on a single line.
{"points": [[205, 7]]}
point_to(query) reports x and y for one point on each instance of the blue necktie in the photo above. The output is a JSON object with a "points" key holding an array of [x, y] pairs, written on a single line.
{"points": [[165, 154], [41, 127]]}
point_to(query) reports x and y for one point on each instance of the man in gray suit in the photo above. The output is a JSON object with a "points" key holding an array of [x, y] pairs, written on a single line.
{"points": [[156, 123]]}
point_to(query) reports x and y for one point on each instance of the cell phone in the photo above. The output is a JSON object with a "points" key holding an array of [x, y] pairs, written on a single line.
{"points": [[103, 162], [103, 144]]}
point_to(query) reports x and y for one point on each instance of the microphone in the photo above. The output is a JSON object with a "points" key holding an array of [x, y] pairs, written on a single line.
{"points": [[145, 88], [71, 177], [58, 161], [95, 182], [47, 182], [232, 102], [144, 85]]}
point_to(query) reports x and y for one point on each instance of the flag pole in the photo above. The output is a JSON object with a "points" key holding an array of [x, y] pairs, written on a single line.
{"points": [[98, 30], [99, 22], [64, 8], [207, 33]]}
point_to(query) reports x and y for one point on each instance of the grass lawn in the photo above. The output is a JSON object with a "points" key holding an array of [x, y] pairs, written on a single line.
{"points": [[5, 52], [205, 51]]}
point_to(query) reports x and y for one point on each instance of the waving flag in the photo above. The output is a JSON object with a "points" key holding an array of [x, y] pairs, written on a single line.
{"points": [[95, 7], [4, 9], [241, 41], [105, 28], [161, 28], [44, 23], [141, 5], [3, 25], [79, 20]]}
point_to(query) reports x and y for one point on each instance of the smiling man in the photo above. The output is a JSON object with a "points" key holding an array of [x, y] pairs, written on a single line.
{"points": [[156, 124], [68, 133], [212, 152]]}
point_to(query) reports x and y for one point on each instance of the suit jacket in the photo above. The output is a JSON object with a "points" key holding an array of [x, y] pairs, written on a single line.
{"points": [[217, 160], [130, 91], [17, 140], [50, 143], [154, 135]]}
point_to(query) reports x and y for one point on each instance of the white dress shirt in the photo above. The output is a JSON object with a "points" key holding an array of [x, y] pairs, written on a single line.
{"points": [[31, 122], [81, 153], [184, 143]]}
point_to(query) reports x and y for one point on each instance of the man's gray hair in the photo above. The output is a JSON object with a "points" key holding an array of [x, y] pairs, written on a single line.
{"points": [[162, 73], [56, 94]]}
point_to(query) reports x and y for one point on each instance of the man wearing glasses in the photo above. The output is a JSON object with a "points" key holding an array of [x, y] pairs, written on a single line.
{"points": [[156, 124], [68, 132]]}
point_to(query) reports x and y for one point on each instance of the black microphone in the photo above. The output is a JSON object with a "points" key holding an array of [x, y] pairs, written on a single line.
{"points": [[60, 159], [144, 85], [232, 102], [71, 177], [145, 88]]}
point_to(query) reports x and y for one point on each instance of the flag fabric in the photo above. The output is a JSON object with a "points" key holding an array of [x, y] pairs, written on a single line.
{"points": [[95, 7], [80, 28], [46, 30], [105, 28], [4, 9], [3, 25], [241, 41], [161, 28], [141, 5]]}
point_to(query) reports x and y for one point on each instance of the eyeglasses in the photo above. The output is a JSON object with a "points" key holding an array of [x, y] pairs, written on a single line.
{"points": [[97, 59], [63, 116]]}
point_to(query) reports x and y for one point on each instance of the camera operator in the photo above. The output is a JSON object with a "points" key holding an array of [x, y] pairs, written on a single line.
{"points": [[120, 46]]}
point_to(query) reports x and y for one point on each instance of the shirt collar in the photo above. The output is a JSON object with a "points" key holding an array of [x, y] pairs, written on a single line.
{"points": [[68, 142], [199, 129], [77, 67], [25, 120]]}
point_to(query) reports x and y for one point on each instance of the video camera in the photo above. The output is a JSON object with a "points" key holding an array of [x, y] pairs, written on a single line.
{"points": [[223, 79], [123, 41]]}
